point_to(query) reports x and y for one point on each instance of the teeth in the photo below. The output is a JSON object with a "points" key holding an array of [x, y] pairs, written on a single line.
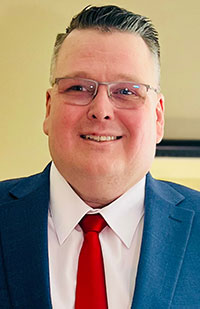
{"points": [[101, 138]]}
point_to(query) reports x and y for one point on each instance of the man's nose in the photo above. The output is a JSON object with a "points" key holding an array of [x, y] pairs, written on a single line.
{"points": [[101, 107]]}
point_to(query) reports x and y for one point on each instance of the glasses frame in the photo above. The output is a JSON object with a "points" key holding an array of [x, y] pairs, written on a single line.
{"points": [[108, 84]]}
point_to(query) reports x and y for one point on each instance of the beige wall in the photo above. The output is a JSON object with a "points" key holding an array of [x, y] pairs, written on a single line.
{"points": [[181, 170], [27, 31]]}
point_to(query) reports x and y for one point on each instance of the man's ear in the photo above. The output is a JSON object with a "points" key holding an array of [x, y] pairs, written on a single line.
{"points": [[48, 112], [159, 118]]}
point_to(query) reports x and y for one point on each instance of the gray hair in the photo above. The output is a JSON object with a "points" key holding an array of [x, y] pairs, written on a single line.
{"points": [[108, 18]]}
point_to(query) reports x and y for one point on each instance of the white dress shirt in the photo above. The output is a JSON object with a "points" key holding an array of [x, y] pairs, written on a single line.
{"points": [[120, 242]]}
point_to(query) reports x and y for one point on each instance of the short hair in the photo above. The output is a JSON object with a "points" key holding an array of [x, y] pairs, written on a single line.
{"points": [[107, 18]]}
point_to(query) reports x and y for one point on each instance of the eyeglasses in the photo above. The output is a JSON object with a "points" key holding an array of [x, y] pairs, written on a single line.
{"points": [[81, 91]]}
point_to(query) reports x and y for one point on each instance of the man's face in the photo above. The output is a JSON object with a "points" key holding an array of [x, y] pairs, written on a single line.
{"points": [[104, 57]]}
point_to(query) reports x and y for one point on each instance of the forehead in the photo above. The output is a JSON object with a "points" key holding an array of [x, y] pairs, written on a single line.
{"points": [[105, 55]]}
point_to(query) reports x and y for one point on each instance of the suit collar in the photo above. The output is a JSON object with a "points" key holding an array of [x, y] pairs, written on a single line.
{"points": [[166, 232], [28, 185]]}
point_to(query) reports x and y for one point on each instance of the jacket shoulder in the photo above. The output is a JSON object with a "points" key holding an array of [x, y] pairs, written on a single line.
{"points": [[13, 188], [186, 191], [191, 196], [7, 185], [172, 193]]}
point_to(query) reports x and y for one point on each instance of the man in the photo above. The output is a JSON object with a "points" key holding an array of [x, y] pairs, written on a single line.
{"points": [[104, 117]]}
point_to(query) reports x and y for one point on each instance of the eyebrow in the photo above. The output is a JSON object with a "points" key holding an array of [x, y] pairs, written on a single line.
{"points": [[127, 77], [79, 74], [120, 77]]}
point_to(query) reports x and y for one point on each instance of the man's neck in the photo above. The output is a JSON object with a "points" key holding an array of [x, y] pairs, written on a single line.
{"points": [[99, 191]]}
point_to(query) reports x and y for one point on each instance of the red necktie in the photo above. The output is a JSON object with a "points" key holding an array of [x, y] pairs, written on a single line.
{"points": [[91, 288]]}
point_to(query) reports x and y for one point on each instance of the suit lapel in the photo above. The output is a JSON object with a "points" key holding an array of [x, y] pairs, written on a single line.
{"points": [[25, 245], [166, 232], [23, 223]]}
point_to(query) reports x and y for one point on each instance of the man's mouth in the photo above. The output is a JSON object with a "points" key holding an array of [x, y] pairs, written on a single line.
{"points": [[100, 138]]}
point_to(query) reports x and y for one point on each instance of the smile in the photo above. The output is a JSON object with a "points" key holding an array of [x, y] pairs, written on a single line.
{"points": [[101, 138]]}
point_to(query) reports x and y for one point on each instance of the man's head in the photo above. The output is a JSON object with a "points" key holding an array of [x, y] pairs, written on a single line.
{"points": [[102, 138], [108, 18]]}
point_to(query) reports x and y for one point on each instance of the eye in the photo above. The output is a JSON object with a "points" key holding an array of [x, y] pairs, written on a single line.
{"points": [[76, 88], [126, 91]]}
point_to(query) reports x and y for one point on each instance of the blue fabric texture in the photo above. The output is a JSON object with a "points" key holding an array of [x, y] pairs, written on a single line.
{"points": [[169, 266]]}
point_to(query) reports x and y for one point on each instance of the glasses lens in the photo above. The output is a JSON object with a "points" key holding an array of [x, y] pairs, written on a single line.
{"points": [[76, 90], [128, 95]]}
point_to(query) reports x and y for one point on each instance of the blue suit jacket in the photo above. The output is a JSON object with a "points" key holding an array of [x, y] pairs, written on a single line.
{"points": [[169, 266]]}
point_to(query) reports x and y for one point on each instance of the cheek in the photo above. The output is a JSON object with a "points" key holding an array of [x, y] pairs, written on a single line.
{"points": [[59, 128], [65, 120], [141, 130], [62, 119], [136, 124]]}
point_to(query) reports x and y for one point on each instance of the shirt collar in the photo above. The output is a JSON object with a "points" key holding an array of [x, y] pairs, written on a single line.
{"points": [[67, 209]]}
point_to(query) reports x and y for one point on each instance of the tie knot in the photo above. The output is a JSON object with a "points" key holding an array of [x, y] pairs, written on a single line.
{"points": [[92, 223]]}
